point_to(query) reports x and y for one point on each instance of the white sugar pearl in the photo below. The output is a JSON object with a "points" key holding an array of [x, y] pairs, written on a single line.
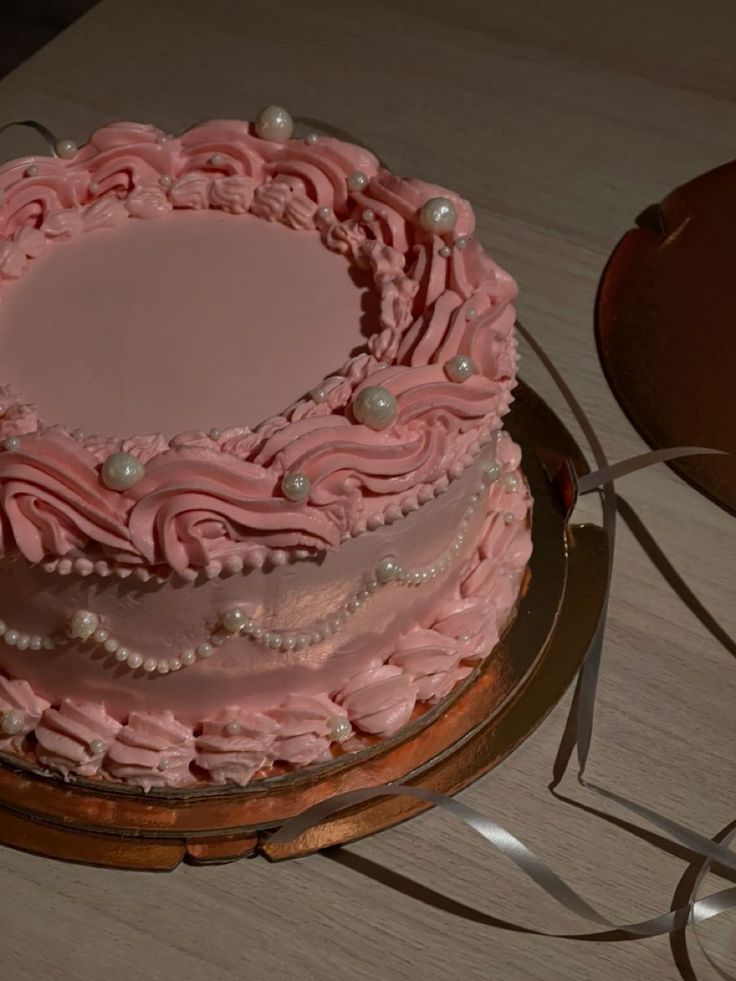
{"points": [[368, 215], [164, 764], [387, 569], [66, 149], [100, 635], [149, 665], [318, 636], [508, 518], [311, 138], [256, 632], [340, 729], [32, 171], [134, 660], [94, 187], [274, 641], [215, 433], [288, 642], [96, 746], [357, 181], [274, 124], [303, 641], [82, 625], [12, 443], [12, 722], [174, 664], [234, 620], [491, 473], [445, 251], [205, 650], [324, 213], [232, 728], [36, 642], [295, 487], [461, 242], [111, 645], [459, 368], [121, 471], [217, 160], [354, 604], [372, 585], [510, 482], [319, 394], [188, 657], [471, 313], [375, 406], [438, 215]]}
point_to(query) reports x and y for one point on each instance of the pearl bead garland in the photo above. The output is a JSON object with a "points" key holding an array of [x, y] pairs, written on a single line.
{"points": [[84, 625], [438, 216], [274, 124], [121, 471], [375, 406]]}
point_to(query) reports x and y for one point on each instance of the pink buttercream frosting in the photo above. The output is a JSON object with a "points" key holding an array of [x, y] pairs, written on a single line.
{"points": [[209, 501]]}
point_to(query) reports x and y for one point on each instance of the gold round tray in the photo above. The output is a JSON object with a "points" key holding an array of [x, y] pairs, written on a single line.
{"points": [[444, 749]]}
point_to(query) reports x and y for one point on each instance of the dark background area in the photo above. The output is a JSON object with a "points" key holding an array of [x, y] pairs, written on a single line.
{"points": [[29, 24]]}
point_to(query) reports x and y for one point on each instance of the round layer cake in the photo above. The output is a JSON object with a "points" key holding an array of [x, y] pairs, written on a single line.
{"points": [[278, 515]]}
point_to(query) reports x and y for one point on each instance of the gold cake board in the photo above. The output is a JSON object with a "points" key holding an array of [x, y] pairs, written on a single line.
{"points": [[444, 750]]}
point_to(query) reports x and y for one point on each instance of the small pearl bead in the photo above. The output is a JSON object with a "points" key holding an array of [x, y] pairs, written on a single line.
{"points": [[324, 213], [48, 643], [274, 641], [295, 487], [66, 149], [3, 627], [174, 664], [101, 635], [204, 650], [217, 160], [232, 728], [36, 642], [215, 433], [94, 187], [354, 604], [319, 394], [471, 313], [459, 368], [96, 746], [510, 482], [317, 636], [461, 242], [164, 764], [166, 180], [32, 171], [256, 632], [23, 641], [234, 619], [340, 729], [12, 722], [491, 473], [357, 181], [12, 443], [445, 251], [149, 665], [368, 215], [121, 471], [438, 215], [375, 406], [163, 667], [274, 124], [372, 585], [311, 138], [303, 641], [82, 625], [387, 569], [134, 660], [111, 645], [188, 657], [288, 642], [508, 518]]}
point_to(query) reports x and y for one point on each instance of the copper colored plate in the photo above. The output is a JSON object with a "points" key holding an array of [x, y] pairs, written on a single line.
{"points": [[445, 749], [666, 327]]}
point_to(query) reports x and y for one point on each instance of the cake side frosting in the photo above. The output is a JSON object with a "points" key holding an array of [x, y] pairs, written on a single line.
{"points": [[442, 364]]}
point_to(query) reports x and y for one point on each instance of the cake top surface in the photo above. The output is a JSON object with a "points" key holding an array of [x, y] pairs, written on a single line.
{"points": [[254, 345]]}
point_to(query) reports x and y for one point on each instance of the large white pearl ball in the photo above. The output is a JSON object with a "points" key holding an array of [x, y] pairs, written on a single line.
{"points": [[375, 406], [274, 124], [295, 487], [234, 619], [459, 368], [66, 149], [387, 569], [121, 471], [82, 624], [438, 216], [340, 729], [12, 722]]}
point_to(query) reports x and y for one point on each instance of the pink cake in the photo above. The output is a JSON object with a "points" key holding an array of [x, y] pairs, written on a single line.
{"points": [[323, 527]]}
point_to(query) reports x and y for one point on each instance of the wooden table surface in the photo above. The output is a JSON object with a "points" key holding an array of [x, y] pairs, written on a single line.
{"points": [[560, 122]]}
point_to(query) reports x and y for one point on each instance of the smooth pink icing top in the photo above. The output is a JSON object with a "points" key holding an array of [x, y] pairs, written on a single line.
{"points": [[211, 502], [203, 319]]}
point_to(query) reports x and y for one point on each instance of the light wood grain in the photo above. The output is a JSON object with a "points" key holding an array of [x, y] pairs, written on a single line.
{"points": [[560, 121]]}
